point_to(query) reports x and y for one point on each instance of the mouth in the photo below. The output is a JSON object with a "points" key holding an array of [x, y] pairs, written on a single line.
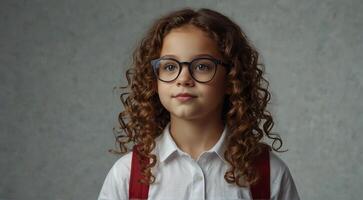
{"points": [[183, 97]]}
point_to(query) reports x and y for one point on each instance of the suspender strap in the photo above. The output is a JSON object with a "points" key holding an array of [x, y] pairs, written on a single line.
{"points": [[262, 189], [136, 189]]}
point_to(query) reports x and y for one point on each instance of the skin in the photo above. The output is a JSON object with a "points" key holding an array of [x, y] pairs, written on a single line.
{"points": [[196, 125]]}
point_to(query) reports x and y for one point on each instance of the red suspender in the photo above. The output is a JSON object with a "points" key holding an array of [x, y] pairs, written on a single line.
{"points": [[262, 189], [137, 190], [259, 191]]}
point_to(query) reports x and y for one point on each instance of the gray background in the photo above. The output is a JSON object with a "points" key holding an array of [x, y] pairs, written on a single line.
{"points": [[60, 60]]}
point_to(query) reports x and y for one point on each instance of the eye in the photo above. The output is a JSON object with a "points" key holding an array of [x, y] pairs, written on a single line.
{"points": [[168, 67], [203, 67]]}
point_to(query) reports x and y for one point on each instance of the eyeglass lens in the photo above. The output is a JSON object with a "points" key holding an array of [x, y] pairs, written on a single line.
{"points": [[201, 69]]}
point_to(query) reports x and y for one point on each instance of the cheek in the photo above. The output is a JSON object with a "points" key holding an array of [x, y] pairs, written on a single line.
{"points": [[218, 87], [163, 93], [160, 88], [217, 94]]}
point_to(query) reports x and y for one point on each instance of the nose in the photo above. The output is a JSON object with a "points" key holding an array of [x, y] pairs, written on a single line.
{"points": [[185, 78]]}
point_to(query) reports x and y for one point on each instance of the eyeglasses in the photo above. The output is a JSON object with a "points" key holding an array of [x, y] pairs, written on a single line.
{"points": [[202, 69]]}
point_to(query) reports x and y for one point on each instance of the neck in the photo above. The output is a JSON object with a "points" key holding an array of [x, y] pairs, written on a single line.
{"points": [[193, 136]]}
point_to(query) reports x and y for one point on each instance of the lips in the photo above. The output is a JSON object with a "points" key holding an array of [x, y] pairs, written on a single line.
{"points": [[184, 95]]}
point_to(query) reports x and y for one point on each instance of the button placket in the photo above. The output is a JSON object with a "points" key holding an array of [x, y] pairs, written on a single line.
{"points": [[198, 182]]}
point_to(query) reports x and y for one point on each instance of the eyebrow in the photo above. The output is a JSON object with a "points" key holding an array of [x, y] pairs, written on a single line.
{"points": [[195, 56]]}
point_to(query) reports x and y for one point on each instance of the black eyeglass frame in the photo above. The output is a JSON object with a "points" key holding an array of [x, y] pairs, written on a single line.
{"points": [[189, 64]]}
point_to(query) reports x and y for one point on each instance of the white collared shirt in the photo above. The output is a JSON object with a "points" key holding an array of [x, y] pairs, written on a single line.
{"points": [[179, 176]]}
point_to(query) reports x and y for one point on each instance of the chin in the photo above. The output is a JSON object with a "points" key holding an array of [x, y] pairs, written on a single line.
{"points": [[186, 116]]}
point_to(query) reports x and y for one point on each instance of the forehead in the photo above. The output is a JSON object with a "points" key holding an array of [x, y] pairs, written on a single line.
{"points": [[187, 42]]}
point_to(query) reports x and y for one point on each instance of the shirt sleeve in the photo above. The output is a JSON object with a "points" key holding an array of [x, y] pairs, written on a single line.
{"points": [[287, 187], [282, 183], [115, 185]]}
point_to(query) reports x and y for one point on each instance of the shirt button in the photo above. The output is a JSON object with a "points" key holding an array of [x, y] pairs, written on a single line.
{"points": [[199, 178]]}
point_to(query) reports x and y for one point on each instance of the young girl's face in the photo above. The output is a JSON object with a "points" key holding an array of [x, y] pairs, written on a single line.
{"points": [[184, 44]]}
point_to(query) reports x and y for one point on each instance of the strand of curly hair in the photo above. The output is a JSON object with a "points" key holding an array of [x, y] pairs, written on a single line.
{"points": [[244, 111]]}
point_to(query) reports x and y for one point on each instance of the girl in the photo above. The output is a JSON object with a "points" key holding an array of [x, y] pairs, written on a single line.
{"points": [[196, 114]]}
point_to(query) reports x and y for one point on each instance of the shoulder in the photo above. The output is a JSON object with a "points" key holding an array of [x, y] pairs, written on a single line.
{"points": [[123, 164], [116, 185], [121, 169], [282, 183], [277, 167]]}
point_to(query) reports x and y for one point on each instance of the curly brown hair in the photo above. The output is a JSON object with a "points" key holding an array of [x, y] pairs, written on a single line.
{"points": [[144, 117]]}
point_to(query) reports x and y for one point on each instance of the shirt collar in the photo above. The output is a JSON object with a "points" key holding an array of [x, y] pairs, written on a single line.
{"points": [[166, 145]]}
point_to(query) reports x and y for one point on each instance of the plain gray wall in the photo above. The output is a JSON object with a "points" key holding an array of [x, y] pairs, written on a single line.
{"points": [[60, 60]]}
